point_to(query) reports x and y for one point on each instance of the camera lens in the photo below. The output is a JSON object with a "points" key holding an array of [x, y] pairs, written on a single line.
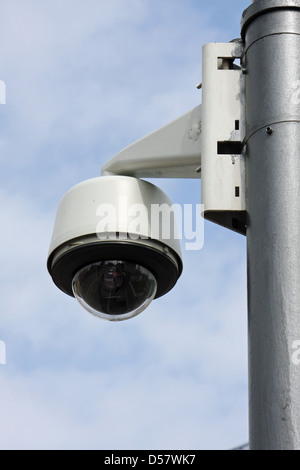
{"points": [[112, 277], [114, 290]]}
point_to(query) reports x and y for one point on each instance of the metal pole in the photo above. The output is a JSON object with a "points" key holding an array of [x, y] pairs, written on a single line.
{"points": [[271, 32]]}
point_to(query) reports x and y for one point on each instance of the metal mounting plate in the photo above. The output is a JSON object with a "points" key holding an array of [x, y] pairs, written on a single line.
{"points": [[223, 160]]}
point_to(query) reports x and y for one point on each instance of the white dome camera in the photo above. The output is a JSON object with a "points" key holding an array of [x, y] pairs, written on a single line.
{"points": [[114, 246]]}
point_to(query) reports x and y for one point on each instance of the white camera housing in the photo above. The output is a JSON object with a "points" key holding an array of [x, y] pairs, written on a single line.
{"points": [[110, 219]]}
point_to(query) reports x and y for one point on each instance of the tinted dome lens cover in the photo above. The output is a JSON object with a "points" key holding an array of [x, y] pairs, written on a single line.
{"points": [[114, 290]]}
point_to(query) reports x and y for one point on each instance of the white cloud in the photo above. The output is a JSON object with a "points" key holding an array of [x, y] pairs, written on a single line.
{"points": [[94, 411]]}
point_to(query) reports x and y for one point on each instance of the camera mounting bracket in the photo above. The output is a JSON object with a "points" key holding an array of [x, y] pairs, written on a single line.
{"points": [[206, 142], [173, 151]]}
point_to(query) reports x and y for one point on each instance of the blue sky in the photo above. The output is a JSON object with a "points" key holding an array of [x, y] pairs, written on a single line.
{"points": [[84, 79]]}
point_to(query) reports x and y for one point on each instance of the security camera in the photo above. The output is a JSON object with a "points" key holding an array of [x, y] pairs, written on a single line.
{"points": [[114, 246]]}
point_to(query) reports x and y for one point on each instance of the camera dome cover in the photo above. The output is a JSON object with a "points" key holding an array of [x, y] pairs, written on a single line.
{"points": [[97, 221]]}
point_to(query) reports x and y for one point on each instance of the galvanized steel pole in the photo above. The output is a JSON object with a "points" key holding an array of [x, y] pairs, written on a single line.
{"points": [[271, 33]]}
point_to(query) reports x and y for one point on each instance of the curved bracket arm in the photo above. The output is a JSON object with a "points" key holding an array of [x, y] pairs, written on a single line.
{"points": [[173, 151]]}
